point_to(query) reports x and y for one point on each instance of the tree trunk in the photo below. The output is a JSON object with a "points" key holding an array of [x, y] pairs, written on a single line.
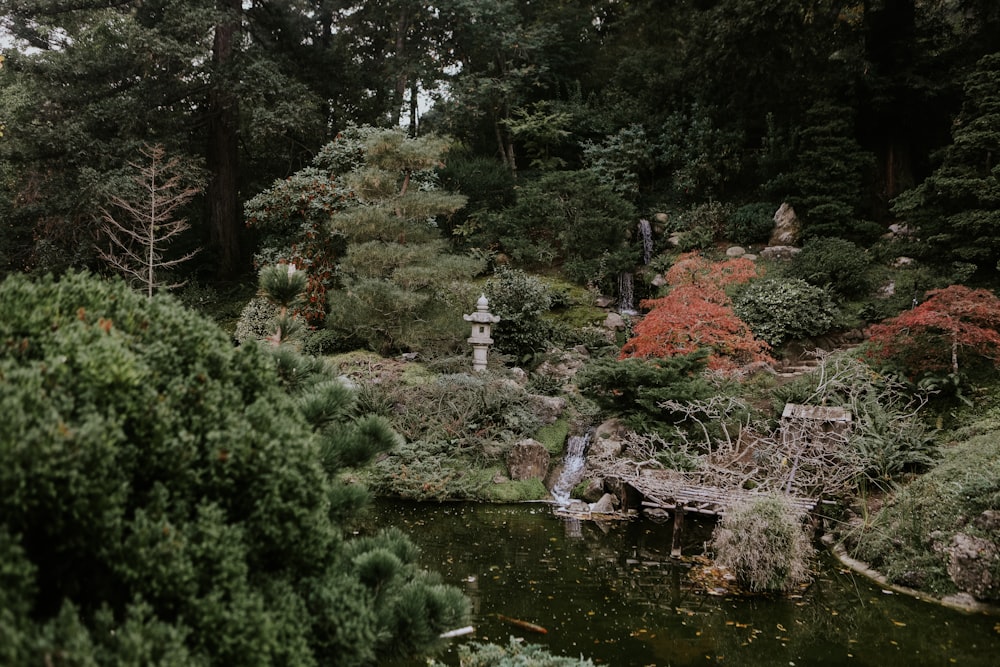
{"points": [[399, 90], [224, 215]]}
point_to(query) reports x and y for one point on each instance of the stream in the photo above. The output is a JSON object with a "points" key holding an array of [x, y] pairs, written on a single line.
{"points": [[610, 592]]}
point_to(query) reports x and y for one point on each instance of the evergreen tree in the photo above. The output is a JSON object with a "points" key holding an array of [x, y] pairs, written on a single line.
{"points": [[167, 498], [957, 208]]}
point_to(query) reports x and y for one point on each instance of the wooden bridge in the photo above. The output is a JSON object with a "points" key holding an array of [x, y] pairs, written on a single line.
{"points": [[667, 491]]}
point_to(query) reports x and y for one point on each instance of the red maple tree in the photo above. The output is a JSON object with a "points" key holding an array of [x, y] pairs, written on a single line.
{"points": [[955, 323], [696, 314]]}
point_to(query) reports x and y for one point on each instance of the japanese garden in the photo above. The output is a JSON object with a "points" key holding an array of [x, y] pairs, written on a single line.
{"points": [[499, 333]]}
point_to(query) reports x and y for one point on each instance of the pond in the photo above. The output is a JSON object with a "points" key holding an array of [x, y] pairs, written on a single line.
{"points": [[610, 592]]}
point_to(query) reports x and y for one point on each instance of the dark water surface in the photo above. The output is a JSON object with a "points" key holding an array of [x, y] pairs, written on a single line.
{"points": [[612, 594]]}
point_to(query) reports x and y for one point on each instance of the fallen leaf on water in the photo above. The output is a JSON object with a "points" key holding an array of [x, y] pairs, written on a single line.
{"points": [[781, 627], [899, 623]]}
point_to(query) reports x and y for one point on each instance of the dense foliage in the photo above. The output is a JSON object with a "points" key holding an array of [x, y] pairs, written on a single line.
{"points": [[953, 329], [778, 310], [166, 496]]}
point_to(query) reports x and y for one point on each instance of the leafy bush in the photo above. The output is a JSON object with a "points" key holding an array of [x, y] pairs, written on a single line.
{"points": [[572, 218], [751, 223], [834, 263], [256, 321], [764, 544], [163, 494], [515, 654], [520, 300], [701, 225], [634, 388], [780, 309]]}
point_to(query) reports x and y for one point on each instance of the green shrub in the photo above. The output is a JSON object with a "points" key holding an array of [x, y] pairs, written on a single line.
{"points": [[751, 223], [160, 485], [830, 262], [779, 310], [515, 654], [701, 225], [256, 321], [515, 491], [520, 300], [764, 544], [635, 387]]}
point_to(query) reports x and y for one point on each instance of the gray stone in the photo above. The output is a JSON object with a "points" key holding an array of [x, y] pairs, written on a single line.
{"points": [[614, 321], [901, 262], [658, 280], [548, 408], [988, 521], [735, 251], [606, 505], [675, 239], [971, 561], [592, 489], [783, 252], [787, 227], [604, 301], [528, 459]]}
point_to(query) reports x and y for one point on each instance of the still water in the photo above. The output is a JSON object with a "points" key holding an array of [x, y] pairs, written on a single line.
{"points": [[611, 593]]}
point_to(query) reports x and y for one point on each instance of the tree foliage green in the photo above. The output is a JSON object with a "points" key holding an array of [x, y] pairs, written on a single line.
{"points": [[167, 497]]}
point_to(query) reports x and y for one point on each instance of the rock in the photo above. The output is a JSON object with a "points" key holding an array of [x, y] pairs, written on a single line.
{"points": [[528, 459], [971, 561], [900, 230], [658, 280], [519, 375], [786, 227], [784, 252], [751, 256], [675, 239], [593, 489], [614, 321], [735, 251], [606, 505], [604, 301], [988, 521], [661, 218], [901, 262], [548, 408], [887, 290]]}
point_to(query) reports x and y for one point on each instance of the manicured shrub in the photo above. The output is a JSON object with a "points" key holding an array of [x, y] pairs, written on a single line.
{"points": [[166, 493], [751, 223], [764, 544], [781, 309], [834, 263], [520, 300]]}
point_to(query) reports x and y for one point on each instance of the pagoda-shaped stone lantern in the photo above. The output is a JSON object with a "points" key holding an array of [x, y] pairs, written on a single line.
{"points": [[480, 339]]}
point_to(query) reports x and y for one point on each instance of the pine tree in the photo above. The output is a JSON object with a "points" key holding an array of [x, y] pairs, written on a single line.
{"points": [[957, 208]]}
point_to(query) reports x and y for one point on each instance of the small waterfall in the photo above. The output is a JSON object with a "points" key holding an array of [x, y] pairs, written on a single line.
{"points": [[573, 464], [646, 233], [626, 294]]}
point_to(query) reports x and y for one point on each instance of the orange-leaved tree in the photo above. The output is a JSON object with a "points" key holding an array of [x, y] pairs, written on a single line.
{"points": [[697, 314], [954, 325]]}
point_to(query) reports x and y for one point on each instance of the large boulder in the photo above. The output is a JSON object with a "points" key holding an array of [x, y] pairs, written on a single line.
{"points": [[787, 227], [971, 563], [528, 459]]}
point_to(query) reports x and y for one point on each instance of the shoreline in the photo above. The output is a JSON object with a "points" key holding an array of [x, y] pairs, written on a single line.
{"points": [[962, 602]]}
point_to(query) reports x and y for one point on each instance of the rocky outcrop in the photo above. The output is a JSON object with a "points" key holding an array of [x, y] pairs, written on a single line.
{"points": [[971, 563], [787, 227], [528, 459]]}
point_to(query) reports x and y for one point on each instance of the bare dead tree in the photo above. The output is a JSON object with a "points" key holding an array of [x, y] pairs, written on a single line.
{"points": [[146, 226]]}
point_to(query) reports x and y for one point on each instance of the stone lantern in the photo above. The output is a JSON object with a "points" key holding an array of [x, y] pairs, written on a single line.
{"points": [[480, 339]]}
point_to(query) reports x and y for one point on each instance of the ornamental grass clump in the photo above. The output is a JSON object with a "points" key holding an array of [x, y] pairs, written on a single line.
{"points": [[764, 544]]}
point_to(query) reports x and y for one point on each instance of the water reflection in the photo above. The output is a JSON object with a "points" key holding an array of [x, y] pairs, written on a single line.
{"points": [[612, 593]]}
